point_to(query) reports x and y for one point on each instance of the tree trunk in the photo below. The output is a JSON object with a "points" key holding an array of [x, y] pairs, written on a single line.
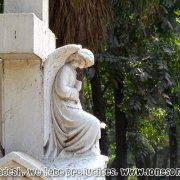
{"points": [[120, 125], [99, 107], [148, 164], [155, 158], [140, 164], [173, 149], [144, 162], [1, 6], [165, 159]]}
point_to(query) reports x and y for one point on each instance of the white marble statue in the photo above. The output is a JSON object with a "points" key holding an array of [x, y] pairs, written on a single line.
{"points": [[73, 131]]}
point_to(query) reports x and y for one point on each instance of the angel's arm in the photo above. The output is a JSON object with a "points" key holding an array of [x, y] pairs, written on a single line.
{"points": [[62, 86]]}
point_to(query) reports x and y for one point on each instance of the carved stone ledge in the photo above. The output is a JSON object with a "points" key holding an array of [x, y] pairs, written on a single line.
{"points": [[77, 167]]}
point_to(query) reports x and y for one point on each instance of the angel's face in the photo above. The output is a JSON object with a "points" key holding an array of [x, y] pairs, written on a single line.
{"points": [[78, 63]]}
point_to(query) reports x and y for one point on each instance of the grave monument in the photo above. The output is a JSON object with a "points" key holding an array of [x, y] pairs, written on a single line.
{"points": [[42, 124]]}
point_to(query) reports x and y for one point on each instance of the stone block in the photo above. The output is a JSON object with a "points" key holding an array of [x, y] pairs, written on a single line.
{"points": [[40, 8], [24, 36], [25, 44], [22, 107], [22, 163]]}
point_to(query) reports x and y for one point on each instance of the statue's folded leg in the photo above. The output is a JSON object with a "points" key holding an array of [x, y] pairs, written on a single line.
{"points": [[80, 131]]}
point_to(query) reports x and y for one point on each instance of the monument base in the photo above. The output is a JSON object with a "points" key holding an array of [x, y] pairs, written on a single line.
{"points": [[90, 167], [22, 166]]}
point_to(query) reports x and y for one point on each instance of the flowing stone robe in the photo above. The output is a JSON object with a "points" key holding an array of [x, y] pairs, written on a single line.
{"points": [[74, 131]]}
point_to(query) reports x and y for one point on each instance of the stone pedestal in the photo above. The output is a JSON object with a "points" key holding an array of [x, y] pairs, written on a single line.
{"points": [[25, 43], [77, 168], [22, 164], [81, 167]]}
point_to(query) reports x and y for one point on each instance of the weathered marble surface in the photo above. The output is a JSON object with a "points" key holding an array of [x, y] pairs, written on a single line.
{"points": [[40, 8], [81, 167], [26, 41], [22, 163], [22, 107], [76, 168], [24, 36], [73, 131]]}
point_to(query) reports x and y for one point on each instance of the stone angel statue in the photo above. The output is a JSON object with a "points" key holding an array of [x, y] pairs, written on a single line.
{"points": [[72, 130]]}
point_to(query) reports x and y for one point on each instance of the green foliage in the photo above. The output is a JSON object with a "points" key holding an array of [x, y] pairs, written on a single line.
{"points": [[87, 95], [174, 111], [138, 144], [151, 133], [155, 128], [140, 54], [148, 79], [132, 178], [143, 52]]}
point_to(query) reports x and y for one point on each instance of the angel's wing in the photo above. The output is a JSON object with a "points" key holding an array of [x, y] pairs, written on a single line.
{"points": [[51, 66]]}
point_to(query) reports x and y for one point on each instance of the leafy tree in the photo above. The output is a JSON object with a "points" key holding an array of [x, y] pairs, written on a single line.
{"points": [[127, 49], [140, 55], [170, 26]]}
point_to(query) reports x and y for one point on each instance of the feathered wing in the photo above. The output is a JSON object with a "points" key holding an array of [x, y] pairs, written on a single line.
{"points": [[51, 66]]}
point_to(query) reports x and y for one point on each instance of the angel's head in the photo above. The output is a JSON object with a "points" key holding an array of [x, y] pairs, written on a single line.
{"points": [[81, 59]]}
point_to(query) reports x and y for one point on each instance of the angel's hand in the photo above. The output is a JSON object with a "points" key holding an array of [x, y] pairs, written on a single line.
{"points": [[78, 85]]}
